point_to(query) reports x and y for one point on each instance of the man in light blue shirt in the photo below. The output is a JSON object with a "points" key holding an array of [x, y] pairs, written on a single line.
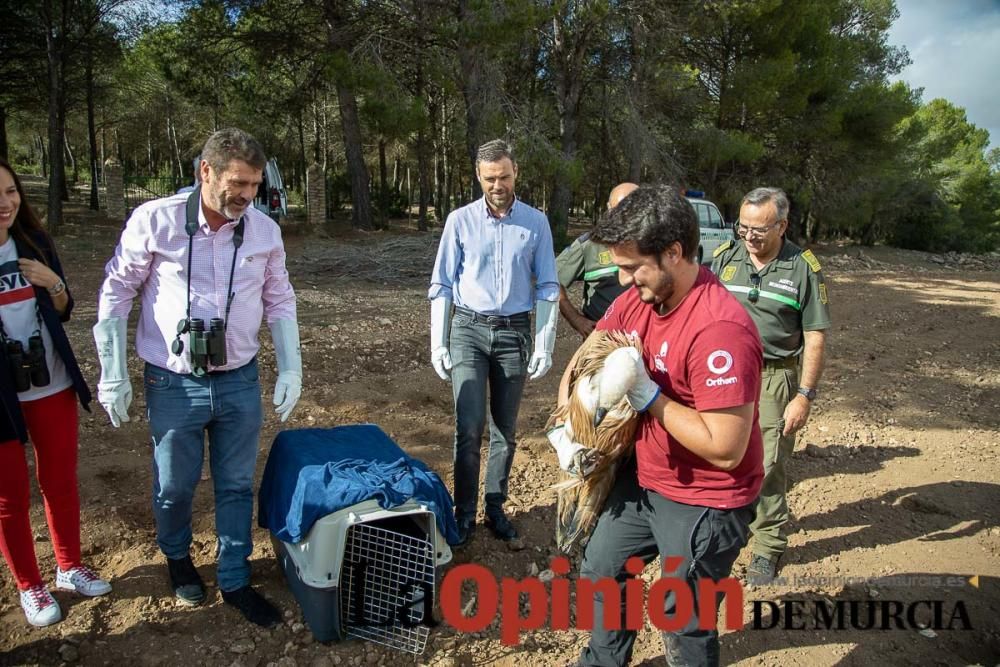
{"points": [[490, 251]]}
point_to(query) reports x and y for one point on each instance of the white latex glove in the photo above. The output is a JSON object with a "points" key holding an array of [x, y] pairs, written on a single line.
{"points": [[573, 457], [644, 391], [114, 391], [546, 318], [288, 388], [440, 327]]}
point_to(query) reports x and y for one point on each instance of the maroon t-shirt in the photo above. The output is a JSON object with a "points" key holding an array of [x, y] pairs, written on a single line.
{"points": [[705, 354]]}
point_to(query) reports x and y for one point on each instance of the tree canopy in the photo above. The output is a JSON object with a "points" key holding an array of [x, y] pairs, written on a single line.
{"points": [[391, 99]]}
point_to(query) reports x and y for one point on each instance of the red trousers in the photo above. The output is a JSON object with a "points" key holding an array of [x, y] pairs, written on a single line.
{"points": [[52, 426]]}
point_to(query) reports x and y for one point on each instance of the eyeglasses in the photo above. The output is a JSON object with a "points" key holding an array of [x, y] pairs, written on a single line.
{"points": [[743, 230], [754, 292]]}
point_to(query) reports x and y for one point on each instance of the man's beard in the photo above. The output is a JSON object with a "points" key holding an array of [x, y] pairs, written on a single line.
{"points": [[500, 199], [663, 292], [228, 208]]}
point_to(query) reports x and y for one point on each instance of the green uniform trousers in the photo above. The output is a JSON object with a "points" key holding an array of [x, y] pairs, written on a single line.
{"points": [[778, 386]]}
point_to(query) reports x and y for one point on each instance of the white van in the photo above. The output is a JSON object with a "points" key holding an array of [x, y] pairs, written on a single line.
{"points": [[713, 228], [271, 196]]}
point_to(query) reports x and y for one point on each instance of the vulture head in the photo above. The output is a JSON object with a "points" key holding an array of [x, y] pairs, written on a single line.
{"points": [[604, 391]]}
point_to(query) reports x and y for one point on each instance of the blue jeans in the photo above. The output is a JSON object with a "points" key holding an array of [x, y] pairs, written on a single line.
{"points": [[493, 355], [181, 408]]}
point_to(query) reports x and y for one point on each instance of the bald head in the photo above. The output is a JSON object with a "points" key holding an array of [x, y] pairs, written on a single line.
{"points": [[619, 193]]}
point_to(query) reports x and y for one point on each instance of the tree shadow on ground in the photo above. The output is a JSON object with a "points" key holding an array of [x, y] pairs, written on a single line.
{"points": [[816, 461], [943, 383], [930, 513]]}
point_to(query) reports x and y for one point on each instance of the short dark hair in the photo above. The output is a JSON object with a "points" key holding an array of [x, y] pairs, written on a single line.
{"points": [[761, 196], [653, 217], [494, 151], [230, 144]]}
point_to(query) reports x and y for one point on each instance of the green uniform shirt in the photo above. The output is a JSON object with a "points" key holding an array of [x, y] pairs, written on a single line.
{"points": [[590, 262], [792, 295]]}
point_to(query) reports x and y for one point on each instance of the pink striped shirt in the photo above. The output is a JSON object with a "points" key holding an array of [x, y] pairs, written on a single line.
{"points": [[151, 261]]}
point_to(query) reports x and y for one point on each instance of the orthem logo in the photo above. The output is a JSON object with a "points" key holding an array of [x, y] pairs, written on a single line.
{"points": [[713, 362]]}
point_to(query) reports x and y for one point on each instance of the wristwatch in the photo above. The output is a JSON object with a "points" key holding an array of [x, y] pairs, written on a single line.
{"points": [[810, 394], [58, 288]]}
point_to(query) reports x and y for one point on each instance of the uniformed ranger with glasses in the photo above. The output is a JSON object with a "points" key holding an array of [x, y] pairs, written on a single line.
{"points": [[782, 287]]}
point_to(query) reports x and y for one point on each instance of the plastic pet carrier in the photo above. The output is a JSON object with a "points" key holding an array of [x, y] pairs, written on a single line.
{"points": [[359, 528], [368, 573]]}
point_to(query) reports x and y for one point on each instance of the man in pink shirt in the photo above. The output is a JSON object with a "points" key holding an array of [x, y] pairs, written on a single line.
{"points": [[208, 267], [689, 495]]}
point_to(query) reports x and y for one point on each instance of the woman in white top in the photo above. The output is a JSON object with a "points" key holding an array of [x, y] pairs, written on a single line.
{"points": [[40, 383]]}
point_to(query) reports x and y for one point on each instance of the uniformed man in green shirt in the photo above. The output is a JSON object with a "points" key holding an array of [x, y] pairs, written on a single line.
{"points": [[783, 289], [590, 262]]}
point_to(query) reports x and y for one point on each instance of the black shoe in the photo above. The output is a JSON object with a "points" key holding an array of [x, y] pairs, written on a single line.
{"points": [[466, 527], [253, 606], [762, 570], [500, 525], [184, 578]]}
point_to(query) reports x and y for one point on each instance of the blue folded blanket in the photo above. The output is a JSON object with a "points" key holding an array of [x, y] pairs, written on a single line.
{"points": [[316, 471]]}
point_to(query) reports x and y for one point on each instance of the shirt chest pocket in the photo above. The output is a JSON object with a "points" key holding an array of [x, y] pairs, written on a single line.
{"points": [[250, 271], [519, 245]]}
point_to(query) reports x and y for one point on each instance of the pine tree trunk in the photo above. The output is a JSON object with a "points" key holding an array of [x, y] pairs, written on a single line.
{"points": [[92, 132], [361, 209], [471, 64], [3, 132], [423, 179], [383, 187], [54, 34]]}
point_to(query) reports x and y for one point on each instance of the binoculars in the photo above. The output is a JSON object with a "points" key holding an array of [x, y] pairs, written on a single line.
{"points": [[207, 347], [29, 367]]}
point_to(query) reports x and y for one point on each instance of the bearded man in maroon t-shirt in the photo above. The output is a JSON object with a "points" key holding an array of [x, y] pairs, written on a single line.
{"points": [[691, 489]]}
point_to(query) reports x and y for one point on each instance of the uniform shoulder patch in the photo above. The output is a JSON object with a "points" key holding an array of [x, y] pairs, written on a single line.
{"points": [[723, 248], [811, 260]]}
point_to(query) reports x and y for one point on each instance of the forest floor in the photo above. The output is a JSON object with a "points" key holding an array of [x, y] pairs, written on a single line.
{"points": [[895, 475]]}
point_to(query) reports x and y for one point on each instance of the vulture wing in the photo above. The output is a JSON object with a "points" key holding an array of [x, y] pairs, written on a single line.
{"points": [[580, 500]]}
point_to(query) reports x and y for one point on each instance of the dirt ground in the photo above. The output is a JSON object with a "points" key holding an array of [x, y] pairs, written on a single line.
{"points": [[895, 474]]}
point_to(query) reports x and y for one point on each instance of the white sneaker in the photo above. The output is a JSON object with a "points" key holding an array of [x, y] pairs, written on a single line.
{"points": [[40, 608], [82, 580]]}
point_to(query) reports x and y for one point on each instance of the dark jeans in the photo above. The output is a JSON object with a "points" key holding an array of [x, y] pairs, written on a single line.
{"points": [[494, 353], [638, 522]]}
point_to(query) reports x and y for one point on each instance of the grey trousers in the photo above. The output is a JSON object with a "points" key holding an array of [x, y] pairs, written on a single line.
{"points": [[639, 522]]}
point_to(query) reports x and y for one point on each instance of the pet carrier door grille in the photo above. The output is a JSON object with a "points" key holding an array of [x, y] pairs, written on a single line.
{"points": [[387, 585]]}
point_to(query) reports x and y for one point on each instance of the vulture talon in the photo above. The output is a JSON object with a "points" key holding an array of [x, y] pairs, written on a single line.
{"points": [[585, 461]]}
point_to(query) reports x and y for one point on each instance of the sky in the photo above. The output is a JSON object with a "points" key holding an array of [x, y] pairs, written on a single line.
{"points": [[955, 49]]}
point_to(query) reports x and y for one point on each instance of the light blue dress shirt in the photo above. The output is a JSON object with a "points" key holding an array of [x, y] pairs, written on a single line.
{"points": [[487, 264]]}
